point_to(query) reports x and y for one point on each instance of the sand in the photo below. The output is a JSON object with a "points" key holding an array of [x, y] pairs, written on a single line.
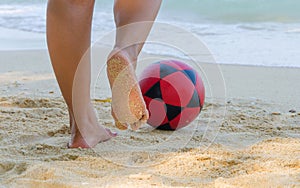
{"points": [[251, 138]]}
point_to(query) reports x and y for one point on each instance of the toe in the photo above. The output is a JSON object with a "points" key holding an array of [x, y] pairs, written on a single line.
{"points": [[135, 126], [142, 120]]}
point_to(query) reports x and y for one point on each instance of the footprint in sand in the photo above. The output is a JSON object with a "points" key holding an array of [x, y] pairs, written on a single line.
{"points": [[31, 103], [62, 131], [6, 167]]}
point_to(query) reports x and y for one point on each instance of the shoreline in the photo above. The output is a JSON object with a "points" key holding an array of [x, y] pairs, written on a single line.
{"points": [[19, 40]]}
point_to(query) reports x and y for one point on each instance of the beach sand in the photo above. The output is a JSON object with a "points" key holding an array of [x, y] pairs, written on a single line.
{"points": [[251, 138]]}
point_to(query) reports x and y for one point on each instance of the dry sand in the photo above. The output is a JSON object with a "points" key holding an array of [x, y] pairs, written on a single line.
{"points": [[249, 140]]}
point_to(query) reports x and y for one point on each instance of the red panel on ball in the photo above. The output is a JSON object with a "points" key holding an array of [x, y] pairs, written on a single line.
{"points": [[182, 66], [182, 87], [186, 116], [157, 111], [152, 71], [147, 101], [169, 93], [147, 83], [171, 64]]}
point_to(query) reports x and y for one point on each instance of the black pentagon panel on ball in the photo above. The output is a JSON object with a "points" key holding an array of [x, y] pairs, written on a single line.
{"points": [[154, 92], [165, 127], [191, 75], [195, 101], [173, 111], [166, 70]]}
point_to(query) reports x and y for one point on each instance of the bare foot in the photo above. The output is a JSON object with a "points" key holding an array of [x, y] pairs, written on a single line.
{"points": [[90, 133], [77, 140], [128, 106]]}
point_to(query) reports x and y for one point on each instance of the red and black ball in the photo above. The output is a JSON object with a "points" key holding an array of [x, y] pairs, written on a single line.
{"points": [[173, 92]]}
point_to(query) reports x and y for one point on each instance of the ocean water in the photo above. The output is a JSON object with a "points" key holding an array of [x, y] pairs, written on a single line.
{"points": [[249, 32]]}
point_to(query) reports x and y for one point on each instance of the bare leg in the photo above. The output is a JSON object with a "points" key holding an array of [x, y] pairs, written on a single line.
{"points": [[68, 37], [134, 19]]}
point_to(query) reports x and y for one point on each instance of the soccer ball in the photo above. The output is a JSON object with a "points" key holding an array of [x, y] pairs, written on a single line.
{"points": [[173, 92]]}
